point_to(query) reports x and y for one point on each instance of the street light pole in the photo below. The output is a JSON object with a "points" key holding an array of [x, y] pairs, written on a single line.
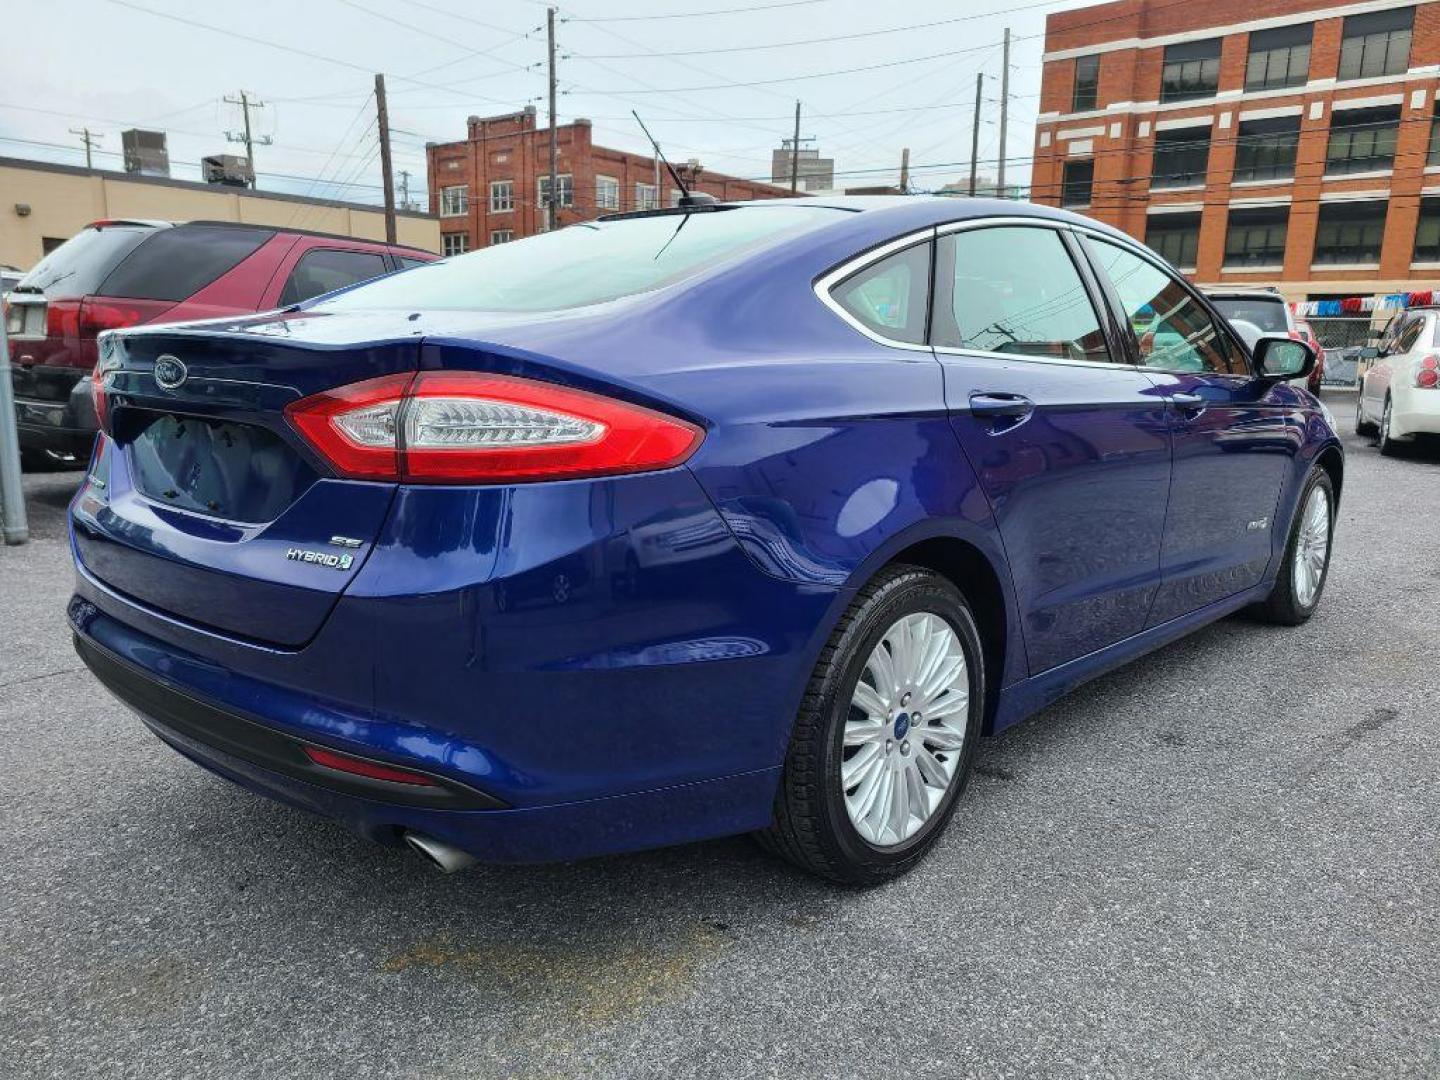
{"points": [[12, 498]]}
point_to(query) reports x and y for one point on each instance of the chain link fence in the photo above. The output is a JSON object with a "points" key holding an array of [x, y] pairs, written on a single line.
{"points": [[1342, 338]]}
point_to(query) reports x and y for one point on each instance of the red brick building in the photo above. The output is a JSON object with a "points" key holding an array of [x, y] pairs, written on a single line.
{"points": [[492, 186], [1292, 142]]}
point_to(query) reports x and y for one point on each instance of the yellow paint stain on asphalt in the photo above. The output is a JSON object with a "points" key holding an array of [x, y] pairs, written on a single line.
{"points": [[601, 984]]}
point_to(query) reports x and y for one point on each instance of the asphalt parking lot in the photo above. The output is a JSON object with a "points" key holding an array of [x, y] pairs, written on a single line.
{"points": [[1221, 860]]}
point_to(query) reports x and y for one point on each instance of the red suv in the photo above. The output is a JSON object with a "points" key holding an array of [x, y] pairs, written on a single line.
{"points": [[123, 273]]}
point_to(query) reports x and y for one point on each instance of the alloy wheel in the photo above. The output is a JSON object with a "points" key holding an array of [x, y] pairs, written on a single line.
{"points": [[906, 729], [1312, 547]]}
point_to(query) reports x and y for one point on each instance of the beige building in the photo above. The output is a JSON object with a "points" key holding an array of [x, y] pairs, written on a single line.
{"points": [[43, 205]]}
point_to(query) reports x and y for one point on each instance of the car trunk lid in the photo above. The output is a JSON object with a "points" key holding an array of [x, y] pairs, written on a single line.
{"points": [[203, 502]]}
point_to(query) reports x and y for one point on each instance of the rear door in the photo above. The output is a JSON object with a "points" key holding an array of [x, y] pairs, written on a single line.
{"points": [[205, 503], [1070, 444], [1234, 437]]}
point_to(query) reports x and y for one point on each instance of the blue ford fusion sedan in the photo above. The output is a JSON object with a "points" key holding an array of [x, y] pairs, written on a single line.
{"points": [[685, 523]]}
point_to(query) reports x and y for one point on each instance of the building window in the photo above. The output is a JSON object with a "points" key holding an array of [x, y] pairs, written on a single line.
{"points": [[1181, 157], [1077, 183], [647, 197], [454, 243], [1427, 233], [607, 193], [567, 191], [1362, 140], [502, 196], [1087, 84], [1265, 149], [1350, 232], [454, 201], [1433, 157], [1279, 58], [502, 236], [1192, 70], [1376, 44], [1175, 236], [1255, 236]]}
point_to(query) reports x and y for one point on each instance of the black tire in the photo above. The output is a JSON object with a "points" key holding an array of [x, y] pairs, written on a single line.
{"points": [[1282, 607], [1363, 427], [1388, 446], [812, 827]]}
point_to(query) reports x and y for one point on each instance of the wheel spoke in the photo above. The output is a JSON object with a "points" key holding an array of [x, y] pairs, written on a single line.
{"points": [[883, 669], [930, 769], [860, 768], [942, 737], [861, 732], [944, 675], [868, 699], [954, 702]]}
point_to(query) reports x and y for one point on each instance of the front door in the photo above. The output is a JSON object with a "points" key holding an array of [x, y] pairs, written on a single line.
{"points": [[1072, 448], [1234, 437]]}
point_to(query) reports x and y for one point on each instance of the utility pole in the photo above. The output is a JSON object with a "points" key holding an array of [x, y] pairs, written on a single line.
{"points": [[1004, 114], [905, 171], [13, 525], [552, 208], [247, 103], [975, 132], [405, 190], [90, 139], [387, 176], [795, 154]]}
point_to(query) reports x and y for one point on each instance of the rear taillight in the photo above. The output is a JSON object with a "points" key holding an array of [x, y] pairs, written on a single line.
{"points": [[99, 314], [471, 427], [1427, 375], [62, 319]]}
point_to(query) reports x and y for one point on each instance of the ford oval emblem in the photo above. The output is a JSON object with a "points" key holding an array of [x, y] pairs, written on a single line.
{"points": [[170, 373]]}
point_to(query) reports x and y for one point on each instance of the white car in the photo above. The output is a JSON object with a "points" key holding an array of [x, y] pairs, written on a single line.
{"points": [[1400, 381]]}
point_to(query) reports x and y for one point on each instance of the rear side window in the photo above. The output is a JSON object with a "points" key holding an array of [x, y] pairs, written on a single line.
{"points": [[78, 266], [177, 263], [1174, 331], [1015, 291], [1268, 315], [407, 263], [890, 297], [1407, 337], [326, 269]]}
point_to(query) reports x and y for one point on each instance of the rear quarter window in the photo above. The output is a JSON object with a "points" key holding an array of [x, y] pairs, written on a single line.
{"points": [[323, 270], [177, 263], [1268, 315]]}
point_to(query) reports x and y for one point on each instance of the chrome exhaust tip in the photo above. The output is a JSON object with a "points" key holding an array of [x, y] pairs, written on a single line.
{"points": [[447, 859]]}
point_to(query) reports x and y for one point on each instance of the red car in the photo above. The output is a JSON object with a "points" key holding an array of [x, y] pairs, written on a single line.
{"points": [[115, 274]]}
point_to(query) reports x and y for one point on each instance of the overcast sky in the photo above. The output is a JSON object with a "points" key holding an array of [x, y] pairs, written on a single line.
{"points": [[167, 64]]}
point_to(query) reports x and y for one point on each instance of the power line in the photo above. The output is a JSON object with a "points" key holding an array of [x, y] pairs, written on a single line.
{"points": [[859, 34], [697, 14]]}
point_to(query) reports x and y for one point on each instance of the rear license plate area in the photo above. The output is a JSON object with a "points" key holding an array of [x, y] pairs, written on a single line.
{"points": [[238, 472]]}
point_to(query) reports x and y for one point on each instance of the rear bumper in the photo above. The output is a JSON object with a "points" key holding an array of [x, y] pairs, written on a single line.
{"points": [[67, 427], [1414, 412], [267, 761]]}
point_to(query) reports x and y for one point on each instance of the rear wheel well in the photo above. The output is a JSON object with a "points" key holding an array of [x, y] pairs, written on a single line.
{"points": [[970, 572], [1333, 462]]}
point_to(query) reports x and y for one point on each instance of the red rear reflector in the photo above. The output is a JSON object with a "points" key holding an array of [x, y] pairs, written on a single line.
{"points": [[330, 759], [472, 427]]}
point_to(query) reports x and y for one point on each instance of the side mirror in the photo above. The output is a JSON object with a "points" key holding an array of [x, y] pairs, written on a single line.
{"points": [[1278, 357], [1370, 352]]}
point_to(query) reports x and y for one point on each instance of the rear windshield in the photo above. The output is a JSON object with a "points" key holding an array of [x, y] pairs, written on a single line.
{"points": [[177, 263], [584, 264], [1268, 315], [78, 266]]}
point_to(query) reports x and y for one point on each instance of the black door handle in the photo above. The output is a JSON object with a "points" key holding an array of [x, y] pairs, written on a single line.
{"points": [[1005, 406], [1190, 404]]}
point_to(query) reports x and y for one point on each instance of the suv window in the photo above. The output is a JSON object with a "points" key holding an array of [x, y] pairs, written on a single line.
{"points": [[407, 263], [1014, 290], [891, 296], [77, 266], [323, 270], [1174, 331], [177, 263], [1265, 312]]}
